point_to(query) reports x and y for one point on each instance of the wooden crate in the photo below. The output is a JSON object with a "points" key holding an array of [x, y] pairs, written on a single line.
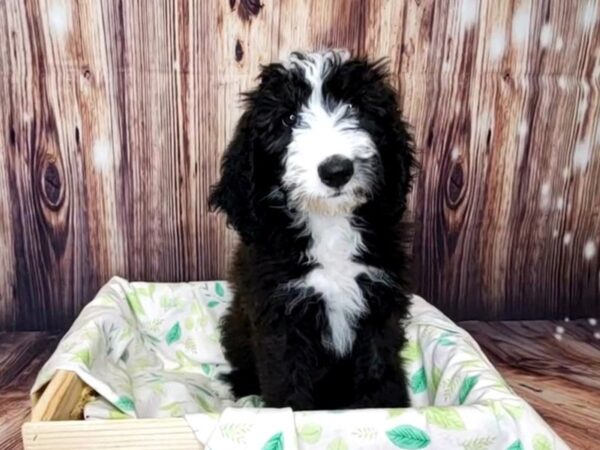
{"points": [[57, 423]]}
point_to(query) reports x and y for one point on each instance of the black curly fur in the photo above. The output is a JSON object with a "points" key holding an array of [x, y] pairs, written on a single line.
{"points": [[276, 350]]}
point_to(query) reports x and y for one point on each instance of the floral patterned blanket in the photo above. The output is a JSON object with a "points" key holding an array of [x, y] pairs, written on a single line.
{"points": [[152, 350]]}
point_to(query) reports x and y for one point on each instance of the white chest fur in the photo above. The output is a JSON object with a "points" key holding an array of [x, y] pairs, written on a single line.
{"points": [[334, 243]]}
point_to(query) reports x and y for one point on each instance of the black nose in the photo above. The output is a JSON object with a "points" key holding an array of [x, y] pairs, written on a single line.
{"points": [[336, 170]]}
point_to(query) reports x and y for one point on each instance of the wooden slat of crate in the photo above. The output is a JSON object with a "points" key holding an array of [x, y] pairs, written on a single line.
{"points": [[99, 434], [50, 427], [60, 398]]}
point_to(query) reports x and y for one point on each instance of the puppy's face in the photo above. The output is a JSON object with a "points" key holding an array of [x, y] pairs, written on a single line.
{"points": [[321, 134]]}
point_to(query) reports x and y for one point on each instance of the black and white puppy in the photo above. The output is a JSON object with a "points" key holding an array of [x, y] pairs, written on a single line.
{"points": [[315, 183]]}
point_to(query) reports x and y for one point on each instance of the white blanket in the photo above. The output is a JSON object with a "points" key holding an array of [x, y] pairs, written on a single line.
{"points": [[152, 350]]}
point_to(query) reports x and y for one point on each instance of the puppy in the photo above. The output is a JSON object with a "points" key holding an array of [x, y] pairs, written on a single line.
{"points": [[315, 182]]}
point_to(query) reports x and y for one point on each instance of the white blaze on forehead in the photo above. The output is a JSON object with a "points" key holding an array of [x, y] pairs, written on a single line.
{"points": [[315, 66], [312, 60], [321, 132]]}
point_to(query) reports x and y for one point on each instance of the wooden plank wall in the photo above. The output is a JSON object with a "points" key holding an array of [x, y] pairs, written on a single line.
{"points": [[114, 114]]}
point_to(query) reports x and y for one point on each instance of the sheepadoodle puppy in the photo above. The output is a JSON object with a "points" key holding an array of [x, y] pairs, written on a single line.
{"points": [[315, 182]]}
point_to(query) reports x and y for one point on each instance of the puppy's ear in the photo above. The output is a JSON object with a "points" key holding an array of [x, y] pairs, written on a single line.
{"points": [[404, 153], [398, 156], [234, 192]]}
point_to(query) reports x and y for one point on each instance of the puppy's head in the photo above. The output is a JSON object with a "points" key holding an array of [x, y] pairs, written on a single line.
{"points": [[321, 134]]}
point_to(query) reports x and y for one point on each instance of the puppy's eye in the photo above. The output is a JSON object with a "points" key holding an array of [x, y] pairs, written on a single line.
{"points": [[290, 120]]}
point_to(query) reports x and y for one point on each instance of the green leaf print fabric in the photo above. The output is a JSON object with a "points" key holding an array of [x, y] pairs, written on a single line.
{"points": [[152, 350]]}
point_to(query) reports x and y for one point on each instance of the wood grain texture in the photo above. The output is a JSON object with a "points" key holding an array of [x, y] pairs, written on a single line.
{"points": [[60, 399], [138, 434], [114, 115], [21, 358], [560, 378]]}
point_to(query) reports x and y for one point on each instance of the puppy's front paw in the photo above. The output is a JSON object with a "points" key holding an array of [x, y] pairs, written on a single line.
{"points": [[300, 402], [388, 394]]}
